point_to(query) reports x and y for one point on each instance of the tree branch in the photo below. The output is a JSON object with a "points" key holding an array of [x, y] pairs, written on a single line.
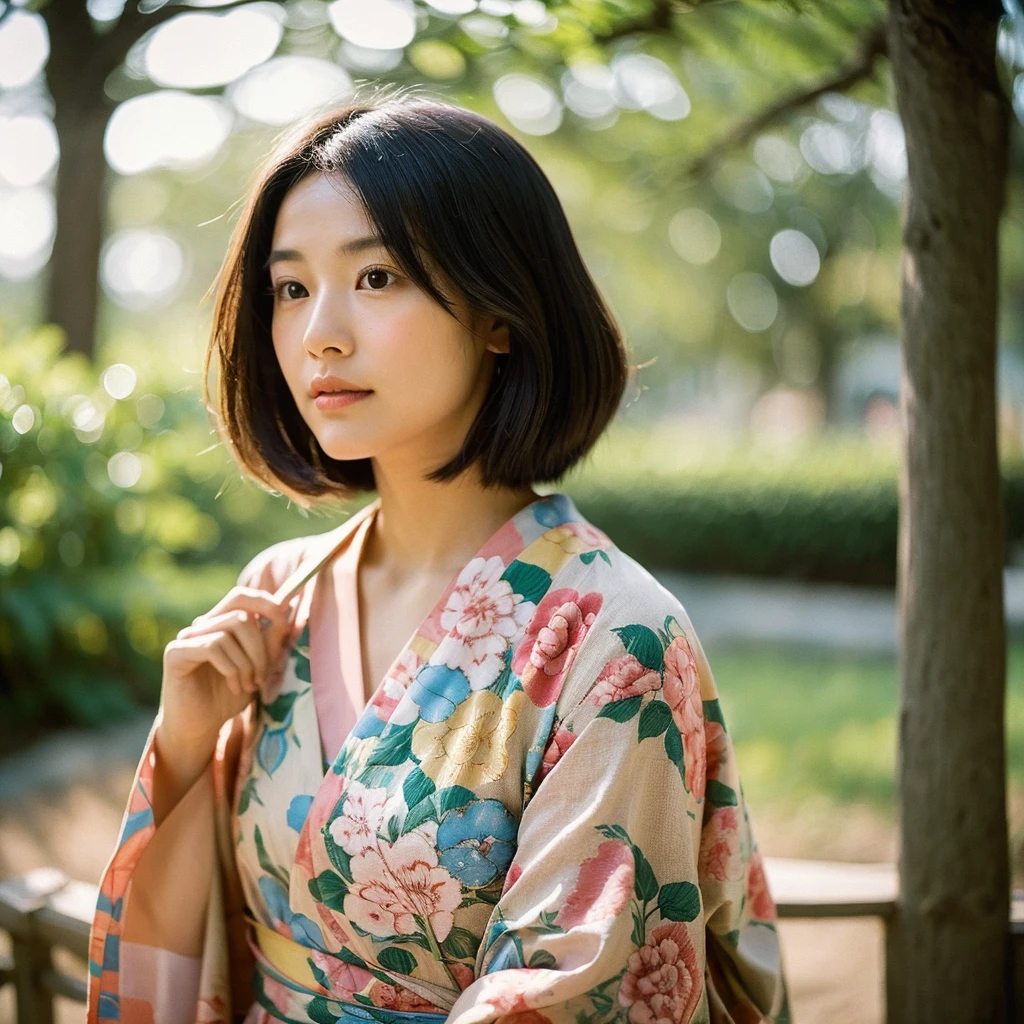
{"points": [[871, 45], [657, 19]]}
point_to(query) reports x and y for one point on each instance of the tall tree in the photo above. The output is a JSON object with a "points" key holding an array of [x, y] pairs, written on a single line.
{"points": [[954, 903]]}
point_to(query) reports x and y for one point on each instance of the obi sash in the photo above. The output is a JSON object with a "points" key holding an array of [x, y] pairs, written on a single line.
{"points": [[286, 962]]}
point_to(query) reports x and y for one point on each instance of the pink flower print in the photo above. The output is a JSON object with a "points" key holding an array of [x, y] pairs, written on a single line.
{"points": [[343, 979], [603, 886], [514, 871], [662, 982], [463, 974], [395, 997], [392, 882], [759, 898], [716, 742], [362, 817], [623, 677], [682, 693], [552, 639], [508, 992], [482, 617], [719, 856], [590, 535], [560, 743], [394, 685]]}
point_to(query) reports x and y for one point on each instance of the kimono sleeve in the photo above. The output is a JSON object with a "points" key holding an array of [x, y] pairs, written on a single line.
{"points": [[637, 891], [149, 906]]}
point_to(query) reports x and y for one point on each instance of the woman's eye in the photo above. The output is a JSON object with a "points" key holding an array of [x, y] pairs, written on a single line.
{"points": [[376, 278], [281, 291]]}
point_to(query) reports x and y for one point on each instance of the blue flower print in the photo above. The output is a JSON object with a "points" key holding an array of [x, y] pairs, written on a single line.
{"points": [[438, 690], [477, 842]]}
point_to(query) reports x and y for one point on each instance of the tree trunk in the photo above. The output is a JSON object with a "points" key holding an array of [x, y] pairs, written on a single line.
{"points": [[80, 117], [954, 871]]}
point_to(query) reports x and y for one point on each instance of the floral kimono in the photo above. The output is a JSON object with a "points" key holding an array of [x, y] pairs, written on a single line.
{"points": [[536, 818]]}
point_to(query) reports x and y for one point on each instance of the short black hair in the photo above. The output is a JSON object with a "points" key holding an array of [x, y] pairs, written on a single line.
{"points": [[447, 187]]}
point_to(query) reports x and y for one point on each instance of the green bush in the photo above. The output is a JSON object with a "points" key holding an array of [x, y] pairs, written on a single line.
{"points": [[121, 520], [826, 510]]}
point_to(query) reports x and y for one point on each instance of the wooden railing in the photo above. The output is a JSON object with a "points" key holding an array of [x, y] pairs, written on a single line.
{"points": [[45, 911]]}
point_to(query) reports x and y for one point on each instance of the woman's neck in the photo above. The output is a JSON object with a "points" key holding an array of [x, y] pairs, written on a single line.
{"points": [[424, 528]]}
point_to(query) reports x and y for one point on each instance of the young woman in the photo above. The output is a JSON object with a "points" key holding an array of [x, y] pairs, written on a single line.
{"points": [[459, 759]]}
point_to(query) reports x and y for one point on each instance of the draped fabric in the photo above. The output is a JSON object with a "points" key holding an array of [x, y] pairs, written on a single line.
{"points": [[537, 817]]}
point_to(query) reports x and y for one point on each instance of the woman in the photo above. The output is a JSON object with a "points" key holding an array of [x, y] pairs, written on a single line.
{"points": [[460, 758]]}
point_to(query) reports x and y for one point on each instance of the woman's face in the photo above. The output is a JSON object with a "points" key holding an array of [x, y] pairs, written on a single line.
{"points": [[342, 308]]}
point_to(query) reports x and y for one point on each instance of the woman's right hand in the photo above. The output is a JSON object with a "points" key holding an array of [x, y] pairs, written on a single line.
{"points": [[213, 667]]}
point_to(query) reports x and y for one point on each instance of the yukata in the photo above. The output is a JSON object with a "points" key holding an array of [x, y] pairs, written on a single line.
{"points": [[537, 818]]}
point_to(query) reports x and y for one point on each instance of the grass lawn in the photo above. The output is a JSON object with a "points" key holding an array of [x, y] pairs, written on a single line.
{"points": [[810, 724]]}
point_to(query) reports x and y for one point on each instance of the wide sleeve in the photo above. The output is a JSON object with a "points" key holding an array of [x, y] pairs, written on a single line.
{"points": [[167, 941], [637, 891]]}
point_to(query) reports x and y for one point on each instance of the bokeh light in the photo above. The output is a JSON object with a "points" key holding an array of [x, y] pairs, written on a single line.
{"points": [[24, 47], [165, 129], [197, 51], [529, 104], [141, 267], [375, 24], [28, 149], [695, 235], [795, 257], [285, 88], [752, 301]]}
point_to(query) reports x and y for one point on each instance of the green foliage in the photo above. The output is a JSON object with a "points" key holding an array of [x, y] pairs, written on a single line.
{"points": [[826, 510], [96, 577]]}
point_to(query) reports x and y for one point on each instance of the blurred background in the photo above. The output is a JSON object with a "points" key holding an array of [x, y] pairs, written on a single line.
{"points": [[734, 182]]}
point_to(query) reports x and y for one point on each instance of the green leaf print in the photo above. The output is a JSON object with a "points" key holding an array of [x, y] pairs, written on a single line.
{"points": [[265, 862], [394, 747], [319, 1009], [679, 901], [454, 796], [459, 944], [416, 787], [248, 793], [338, 857], [392, 828], [654, 719], [586, 557], [280, 710], [400, 961], [719, 793], [531, 581], [543, 958], [330, 889], [621, 710], [615, 832], [713, 712], [643, 643], [423, 811], [645, 883], [639, 935], [674, 749]]}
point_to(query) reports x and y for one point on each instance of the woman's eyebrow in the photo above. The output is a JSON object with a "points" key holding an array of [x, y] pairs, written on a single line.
{"points": [[345, 249]]}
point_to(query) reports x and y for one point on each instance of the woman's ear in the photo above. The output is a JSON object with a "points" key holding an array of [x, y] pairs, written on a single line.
{"points": [[497, 337]]}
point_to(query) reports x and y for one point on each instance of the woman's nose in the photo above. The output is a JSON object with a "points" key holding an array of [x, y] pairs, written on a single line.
{"points": [[327, 327]]}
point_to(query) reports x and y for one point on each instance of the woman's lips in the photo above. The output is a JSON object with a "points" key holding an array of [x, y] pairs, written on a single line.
{"points": [[328, 400]]}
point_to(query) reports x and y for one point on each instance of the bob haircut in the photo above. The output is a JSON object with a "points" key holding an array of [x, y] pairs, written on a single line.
{"points": [[444, 187]]}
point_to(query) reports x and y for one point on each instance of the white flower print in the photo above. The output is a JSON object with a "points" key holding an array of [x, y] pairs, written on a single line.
{"points": [[483, 618], [363, 815]]}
